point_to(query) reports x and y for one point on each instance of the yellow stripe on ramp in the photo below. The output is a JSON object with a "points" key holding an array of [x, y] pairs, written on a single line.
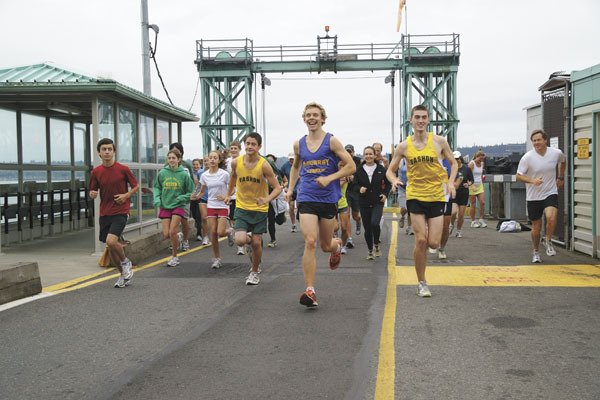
{"points": [[386, 370], [522, 275]]}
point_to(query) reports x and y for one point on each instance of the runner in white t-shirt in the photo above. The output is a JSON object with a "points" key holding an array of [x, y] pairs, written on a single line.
{"points": [[537, 169], [216, 181]]}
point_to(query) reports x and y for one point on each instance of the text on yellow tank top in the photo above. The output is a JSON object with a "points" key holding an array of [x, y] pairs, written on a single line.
{"points": [[250, 185], [427, 177]]}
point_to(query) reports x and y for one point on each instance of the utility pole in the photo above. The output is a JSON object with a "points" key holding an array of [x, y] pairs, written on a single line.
{"points": [[145, 50]]}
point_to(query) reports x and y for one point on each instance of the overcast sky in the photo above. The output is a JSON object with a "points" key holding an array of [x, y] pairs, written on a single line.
{"points": [[508, 49]]}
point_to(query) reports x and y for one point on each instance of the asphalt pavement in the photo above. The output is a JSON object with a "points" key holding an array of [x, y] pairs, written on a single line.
{"points": [[192, 332]]}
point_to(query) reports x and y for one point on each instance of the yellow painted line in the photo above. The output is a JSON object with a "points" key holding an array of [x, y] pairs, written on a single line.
{"points": [[386, 370], [391, 210], [520, 275], [85, 281]]}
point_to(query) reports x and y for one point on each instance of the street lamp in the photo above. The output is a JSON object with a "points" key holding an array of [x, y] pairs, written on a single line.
{"points": [[391, 78], [264, 81]]}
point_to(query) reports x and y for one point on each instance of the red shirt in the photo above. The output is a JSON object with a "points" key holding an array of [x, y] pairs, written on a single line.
{"points": [[111, 181]]}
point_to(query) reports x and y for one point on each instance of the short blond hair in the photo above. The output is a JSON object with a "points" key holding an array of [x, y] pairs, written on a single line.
{"points": [[314, 104]]}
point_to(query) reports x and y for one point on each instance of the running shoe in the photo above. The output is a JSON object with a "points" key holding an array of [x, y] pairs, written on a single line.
{"points": [[458, 234], [401, 223], [309, 299], [336, 256], [294, 228], [349, 243], [127, 271], [179, 240], [549, 248], [199, 238], [536, 257], [240, 251], [475, 224], [370, 256], [185, 245], [272, 243], [205, 241], [450, 229], [441, 254], [357, 230], [173, 262], [432, 250], [344, 250], [409, 230], [231, 238], [120, 283], [253, 279], [377, 252], [423, 290], [482, 223], [216, 263]]}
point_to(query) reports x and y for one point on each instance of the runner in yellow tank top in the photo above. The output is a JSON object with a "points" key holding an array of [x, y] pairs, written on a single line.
{"points": [[424, 172], [250, 186], [425, 191], [249, 175]]}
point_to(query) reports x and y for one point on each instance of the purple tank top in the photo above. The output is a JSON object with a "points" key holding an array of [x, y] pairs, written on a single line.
{"points": [[322, 162]]}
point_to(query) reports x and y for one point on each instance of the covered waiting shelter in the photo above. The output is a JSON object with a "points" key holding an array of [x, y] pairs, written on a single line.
{"points": [[50, 120]]}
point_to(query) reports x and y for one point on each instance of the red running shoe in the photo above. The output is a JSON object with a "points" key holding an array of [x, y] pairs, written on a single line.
{"points": [[336, 257], [309, 299]]}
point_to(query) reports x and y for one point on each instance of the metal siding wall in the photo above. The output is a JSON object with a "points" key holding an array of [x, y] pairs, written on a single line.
{"points": [[554, 125], [583, 239]]}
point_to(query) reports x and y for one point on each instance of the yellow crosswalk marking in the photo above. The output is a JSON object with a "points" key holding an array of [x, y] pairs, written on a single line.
{"points": [[522, 275]]}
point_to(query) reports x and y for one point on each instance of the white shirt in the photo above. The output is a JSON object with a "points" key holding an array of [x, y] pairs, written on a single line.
{"points": [[369, 169], [543, 167], [216, 184]]}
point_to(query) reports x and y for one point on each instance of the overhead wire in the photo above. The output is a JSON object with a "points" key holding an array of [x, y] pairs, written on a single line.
{"points": [[153, 57]]}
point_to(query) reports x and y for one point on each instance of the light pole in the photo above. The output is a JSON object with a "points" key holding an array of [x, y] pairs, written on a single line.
{"points": [[146, 47], [264, 81], [391, 78]]}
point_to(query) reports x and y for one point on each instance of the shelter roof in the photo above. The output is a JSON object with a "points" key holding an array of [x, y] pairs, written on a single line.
{"points": [[47, 79]]}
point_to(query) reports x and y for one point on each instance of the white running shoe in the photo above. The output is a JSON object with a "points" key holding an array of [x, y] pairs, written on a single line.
{"points": [[231, 238], [344, 250], [205, 241], [294, 228], [401, 222], [536, 257], [475, 224], [442, 254], [179, 240], [253, 279], [432, 250], [199, 238], [120, 283], [450, 229], [240, 251], [173, 262], [127, 270], [185, 245], [216, 263], [550, 249], [377, 252], [458, 234], [423, 290], [409, 230], [482, 223]]}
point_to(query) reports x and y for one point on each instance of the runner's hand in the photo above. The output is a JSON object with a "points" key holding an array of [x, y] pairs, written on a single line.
{"points": [[322, 181]]}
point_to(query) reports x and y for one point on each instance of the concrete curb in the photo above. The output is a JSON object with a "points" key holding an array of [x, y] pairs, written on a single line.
{"points": [[18, 281]]}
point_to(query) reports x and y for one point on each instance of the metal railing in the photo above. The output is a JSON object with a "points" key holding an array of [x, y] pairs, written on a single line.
{"points": [[30, 209]]}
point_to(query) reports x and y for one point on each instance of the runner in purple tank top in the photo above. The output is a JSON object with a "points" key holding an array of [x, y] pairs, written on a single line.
{"points": [[317, 155]]}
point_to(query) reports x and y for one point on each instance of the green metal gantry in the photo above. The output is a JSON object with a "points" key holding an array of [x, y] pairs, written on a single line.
{"points": [[228, 68]]}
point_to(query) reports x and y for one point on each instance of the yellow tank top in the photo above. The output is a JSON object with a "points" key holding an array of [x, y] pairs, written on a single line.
{"points": [[250, 185], [427, 177], [343, 202]]}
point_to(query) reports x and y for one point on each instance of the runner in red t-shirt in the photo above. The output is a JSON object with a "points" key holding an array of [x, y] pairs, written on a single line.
{"points": [[113, 180]]}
